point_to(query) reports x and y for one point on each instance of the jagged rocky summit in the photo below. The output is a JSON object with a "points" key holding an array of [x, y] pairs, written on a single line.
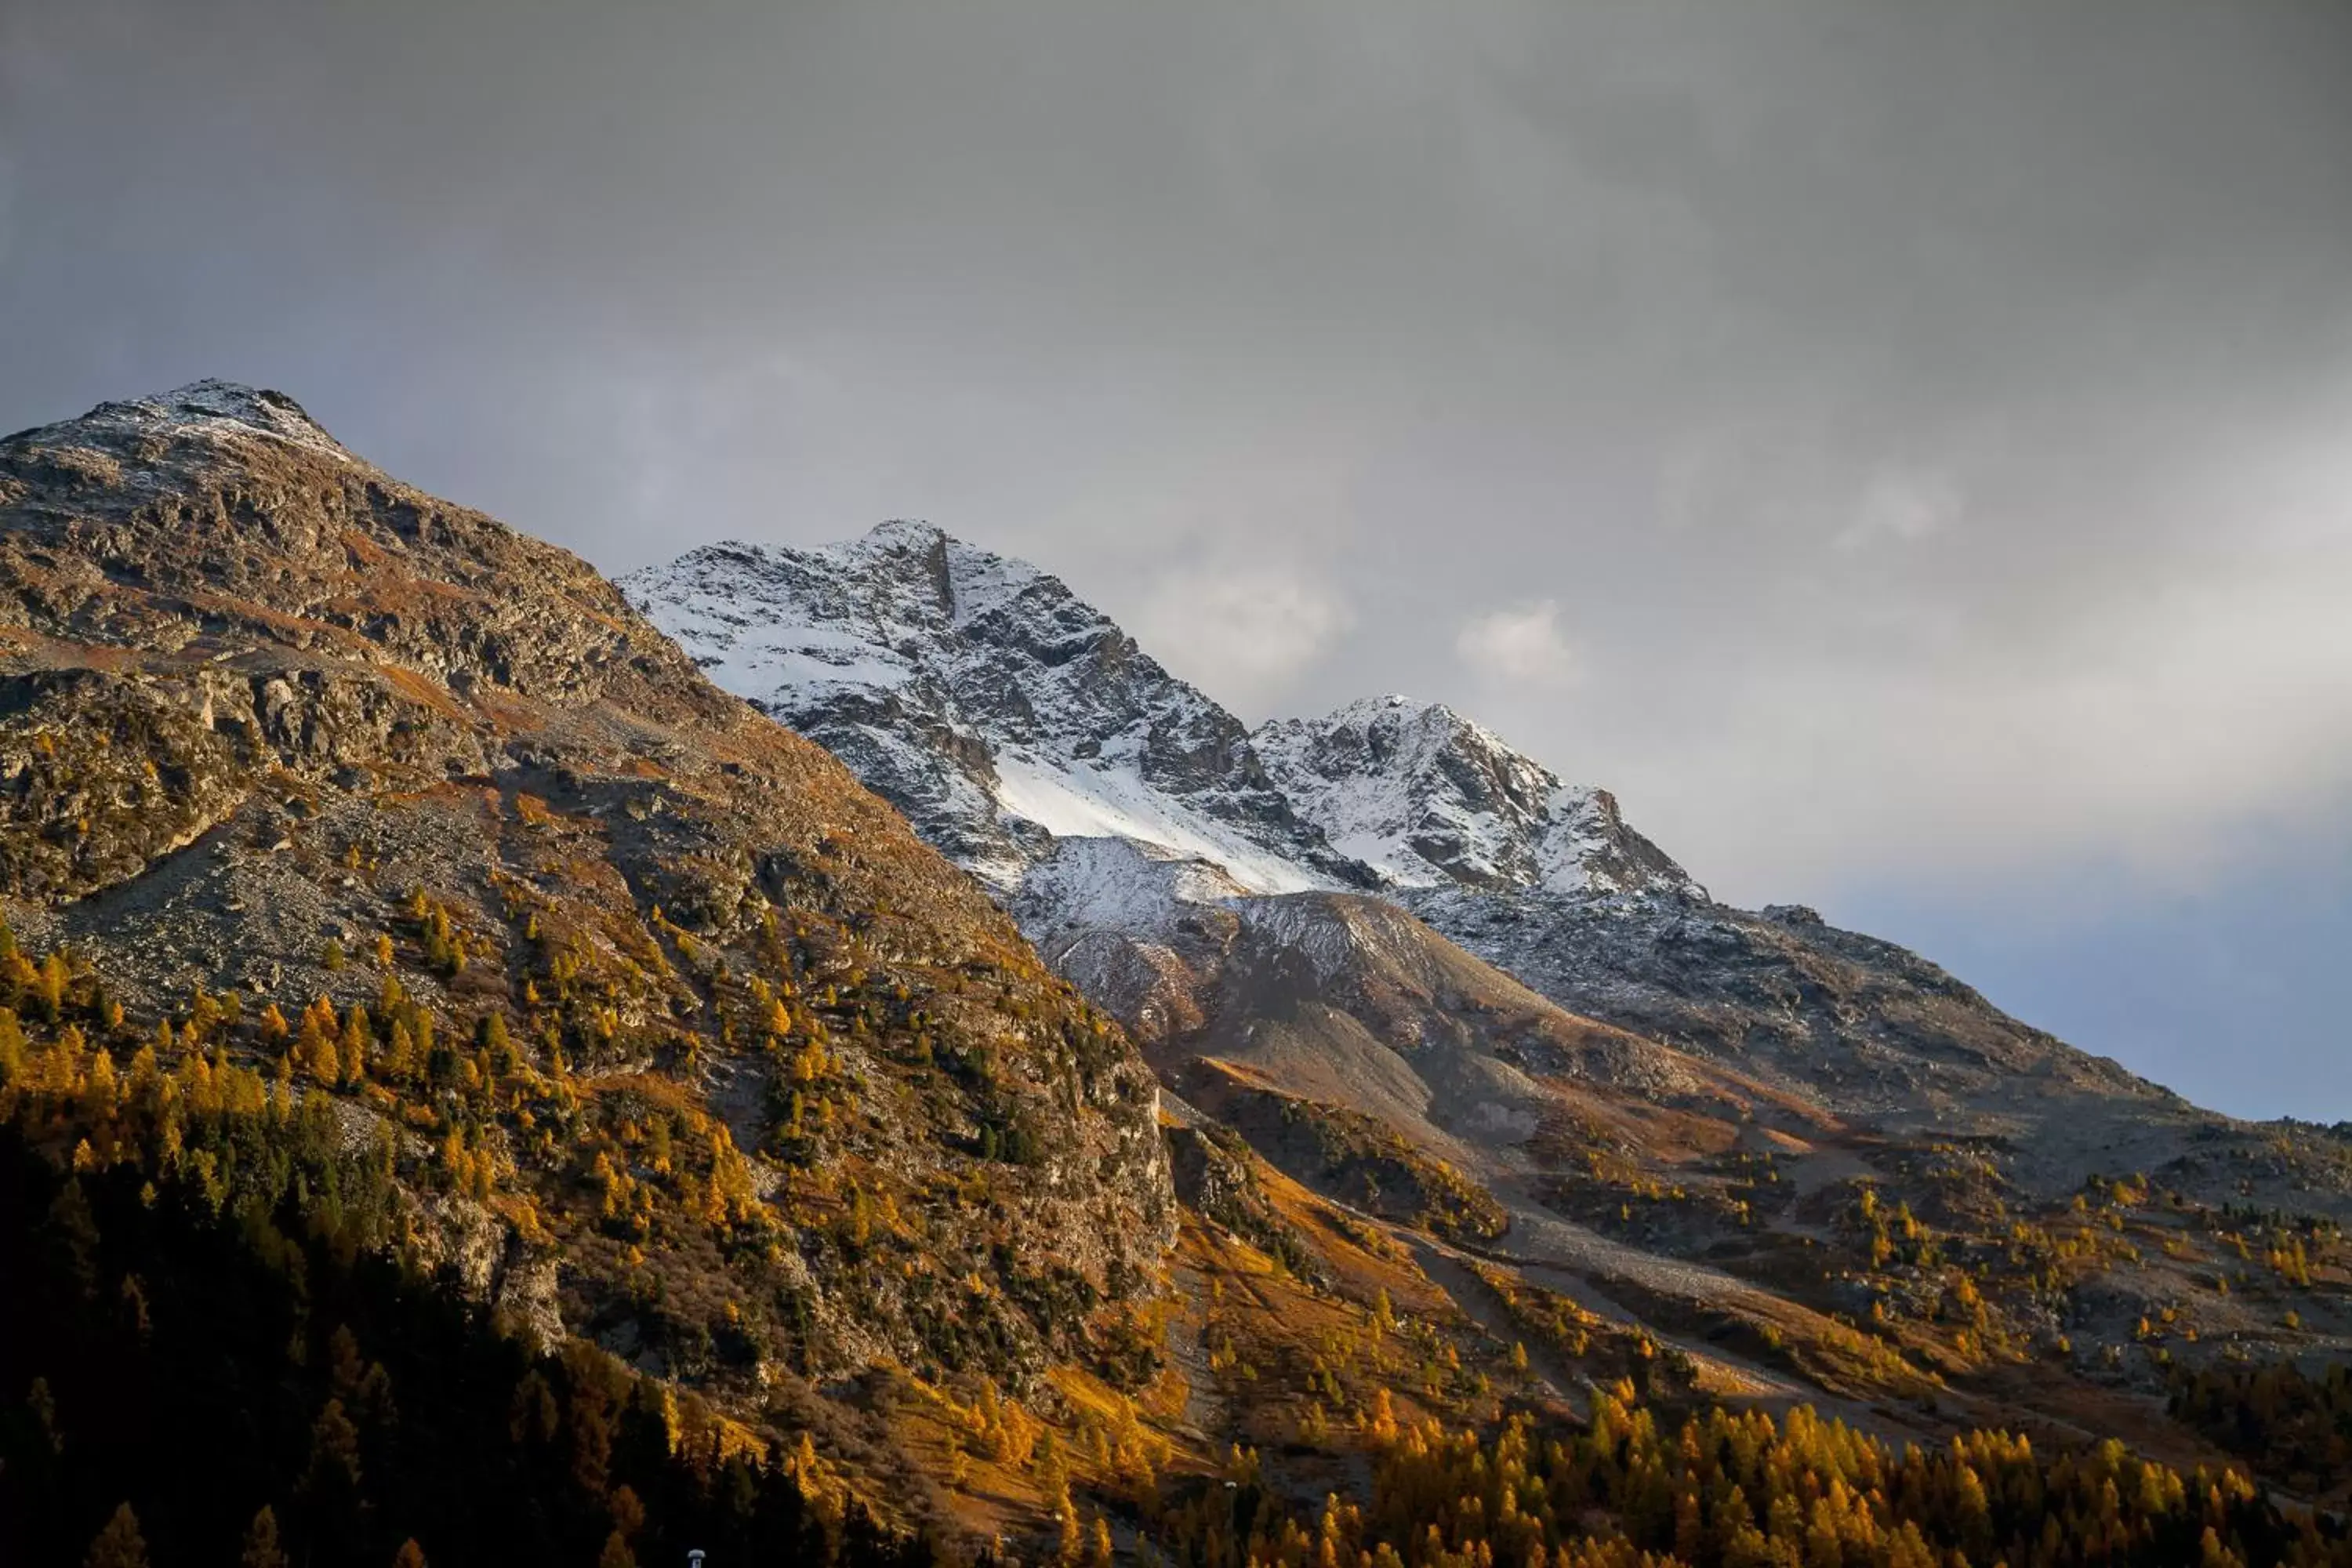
{"points": [[985, 700], [1002, 714], [1428, 798]]}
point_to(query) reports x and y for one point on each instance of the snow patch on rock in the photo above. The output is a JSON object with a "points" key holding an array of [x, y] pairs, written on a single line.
{"points": [[988, 702], [1116, 884], [1430, 799], [205, 410]]}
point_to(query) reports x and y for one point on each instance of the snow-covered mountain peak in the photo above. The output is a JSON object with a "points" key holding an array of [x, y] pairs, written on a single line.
{"points": [[908, 532], [212, 398], [1430, 798], [1004, 715], [986, 701], [212, 408]]}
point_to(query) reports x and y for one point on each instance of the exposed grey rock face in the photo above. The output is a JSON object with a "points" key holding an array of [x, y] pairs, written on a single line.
{"points": [[1863, 1025], [1430, 799], [985, 700], [1880, 1038]]}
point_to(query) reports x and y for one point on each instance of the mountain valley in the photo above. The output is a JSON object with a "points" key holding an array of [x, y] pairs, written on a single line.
{"points": [[837, 1055]]}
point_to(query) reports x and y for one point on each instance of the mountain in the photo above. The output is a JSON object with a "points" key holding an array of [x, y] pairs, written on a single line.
{"points": [[919, 658], [1002, 714], [1430, 799], [1421, 975], [473, 1091], [325, 796], [983, 699]]}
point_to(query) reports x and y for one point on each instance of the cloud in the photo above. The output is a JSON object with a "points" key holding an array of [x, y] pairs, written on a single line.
{"points": [[1920, 519], [1900, 506], [1521, 645], [2151, 702], [1241, 634]]}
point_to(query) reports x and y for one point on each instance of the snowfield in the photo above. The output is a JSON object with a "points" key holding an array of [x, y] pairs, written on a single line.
{"points": [[1005, 717]]}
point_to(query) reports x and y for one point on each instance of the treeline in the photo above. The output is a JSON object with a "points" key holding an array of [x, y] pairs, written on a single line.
{"points": [[1744, 1491], [215, 1352], [2291, 1423]]}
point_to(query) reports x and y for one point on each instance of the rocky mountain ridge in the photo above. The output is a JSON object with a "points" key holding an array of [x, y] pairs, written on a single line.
{"points": [[1430, 799], [279, 727], [985, 700], [1019, 728], [1510, 987], [1000, 711]]}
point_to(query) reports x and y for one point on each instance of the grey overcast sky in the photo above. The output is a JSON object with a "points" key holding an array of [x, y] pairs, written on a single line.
{"points": [[1904, 449]]}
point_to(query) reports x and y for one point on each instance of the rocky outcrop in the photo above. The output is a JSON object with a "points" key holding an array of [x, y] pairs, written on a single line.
{"points": [[1217, 1177], [1430, 799]]}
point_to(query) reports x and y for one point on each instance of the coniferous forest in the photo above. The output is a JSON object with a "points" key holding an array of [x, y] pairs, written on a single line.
{"points": [[217, 1354], [215, 1348]]}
